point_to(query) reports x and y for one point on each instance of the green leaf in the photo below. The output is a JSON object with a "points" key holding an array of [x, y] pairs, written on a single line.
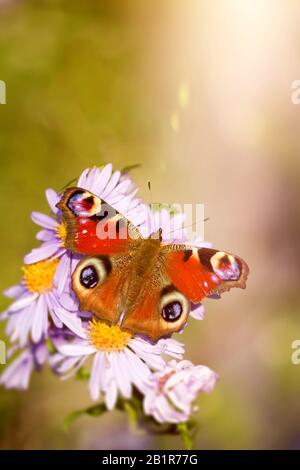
{"points": [[129, 168], [132, 413], [187, 431], [82, 374], [69, 420], [50, 346], [95, 411], [138, 420], [70, 183]]}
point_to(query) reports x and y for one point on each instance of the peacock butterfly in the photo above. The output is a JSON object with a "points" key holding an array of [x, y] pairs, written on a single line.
{"points": [[141, 284]]}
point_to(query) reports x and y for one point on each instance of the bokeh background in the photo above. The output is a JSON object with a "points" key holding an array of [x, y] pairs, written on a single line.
{"points": [[199, 93]]}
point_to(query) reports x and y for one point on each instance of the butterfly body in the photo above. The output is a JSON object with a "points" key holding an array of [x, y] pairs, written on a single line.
{"points": [[141, 284]]}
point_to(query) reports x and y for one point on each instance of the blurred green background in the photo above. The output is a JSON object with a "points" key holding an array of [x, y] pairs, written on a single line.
{"points": [[199, 93]]}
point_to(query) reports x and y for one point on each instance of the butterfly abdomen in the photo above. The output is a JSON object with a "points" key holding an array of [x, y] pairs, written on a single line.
{"points": [[144, 268]]}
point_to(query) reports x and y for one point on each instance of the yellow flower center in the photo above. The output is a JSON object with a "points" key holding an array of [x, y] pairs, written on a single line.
{"points": [[108, 338], [61, 231], [38, 277]]}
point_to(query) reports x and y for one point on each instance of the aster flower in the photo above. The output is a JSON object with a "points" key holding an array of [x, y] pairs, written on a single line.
{"points": [[172, 391], [116, 189], [120, 360], [126, 369], [36, 301]]}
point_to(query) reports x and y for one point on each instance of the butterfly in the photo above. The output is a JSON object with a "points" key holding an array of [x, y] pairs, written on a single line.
{"points": [[141, 284]]}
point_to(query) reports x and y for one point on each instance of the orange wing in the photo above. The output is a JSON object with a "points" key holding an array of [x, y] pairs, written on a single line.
{"points": [[158, 311], [93, 226], [198, 273], [98, 282]]}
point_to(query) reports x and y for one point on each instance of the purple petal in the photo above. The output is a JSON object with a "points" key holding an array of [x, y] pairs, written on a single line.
{"points": [[111, 395], [125, 203], [124, 186], [4, 315], [60, 252], [40, 319], [137, 217], [69, 301], [85, 315], [90, 179], [43, 220], [74, 261], [45, 235], [95, 380], [103, 179], [82, 348], [66, 366], [136, 202], [18, 373], [14, 291], [41, 354], [57, 322], [52, 304], [24, 331], [114, 198], [63, 271], [111, 184], [44, 251], [23, 302], [53, 199], [121, 374], [72, 321], [82, 178], [214, 296], [138, 370], [198, 312]]}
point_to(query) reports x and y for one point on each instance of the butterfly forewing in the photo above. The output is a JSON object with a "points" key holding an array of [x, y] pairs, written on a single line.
{"points": [[92, 226]]}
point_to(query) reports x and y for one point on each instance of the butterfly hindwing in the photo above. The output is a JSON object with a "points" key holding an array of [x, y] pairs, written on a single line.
{"points": [[181, 275], [98, 282], [159, 310], [132, 290]]}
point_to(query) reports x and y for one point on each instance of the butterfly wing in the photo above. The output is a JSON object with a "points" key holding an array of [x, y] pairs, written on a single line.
{"points": [[132, 290], [199, 272], [100, 284], [96, 229], [113, 287], [93, 226], [159, 310], [181, 276], [153, 297]]}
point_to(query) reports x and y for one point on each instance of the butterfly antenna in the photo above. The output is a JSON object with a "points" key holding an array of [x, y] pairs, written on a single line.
{"points": [[188, 226], [150, 191]]}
